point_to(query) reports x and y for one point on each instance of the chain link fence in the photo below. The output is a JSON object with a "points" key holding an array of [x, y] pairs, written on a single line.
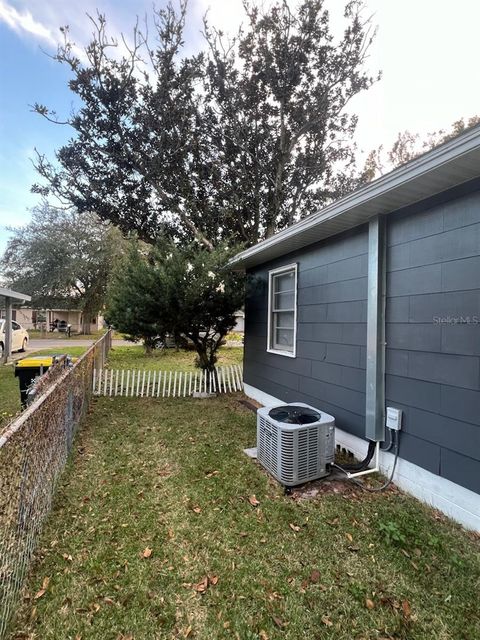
{"points": [[33, 451]]}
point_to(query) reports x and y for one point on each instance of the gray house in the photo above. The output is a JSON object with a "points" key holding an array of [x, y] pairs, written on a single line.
{"points": [[374, 301]]}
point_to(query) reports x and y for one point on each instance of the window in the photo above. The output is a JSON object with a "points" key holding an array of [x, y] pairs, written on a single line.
{"points": [[282, 310], [15, 326]]}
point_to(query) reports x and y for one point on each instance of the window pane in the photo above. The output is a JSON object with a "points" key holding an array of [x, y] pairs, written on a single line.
{"points": [[283, 301], [283, 320], [283, 339], [284, 282]]}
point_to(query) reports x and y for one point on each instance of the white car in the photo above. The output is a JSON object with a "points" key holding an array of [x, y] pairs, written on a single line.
{"points": [[20, 337]]}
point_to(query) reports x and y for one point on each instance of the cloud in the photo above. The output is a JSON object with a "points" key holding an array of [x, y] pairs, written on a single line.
{"points": [[24, 22]]}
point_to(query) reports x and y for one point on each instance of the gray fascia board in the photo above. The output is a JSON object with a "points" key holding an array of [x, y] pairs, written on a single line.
{"points": [[14, 295], [446, 166]]}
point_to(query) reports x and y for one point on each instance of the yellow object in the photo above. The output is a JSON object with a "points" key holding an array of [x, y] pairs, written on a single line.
{"points": [[41, 361]]}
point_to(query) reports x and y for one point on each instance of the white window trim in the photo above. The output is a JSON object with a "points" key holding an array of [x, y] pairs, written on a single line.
{"points": [[274, 272]]}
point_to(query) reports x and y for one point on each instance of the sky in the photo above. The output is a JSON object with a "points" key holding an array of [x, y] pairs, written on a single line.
{"points": [[427, 50]]}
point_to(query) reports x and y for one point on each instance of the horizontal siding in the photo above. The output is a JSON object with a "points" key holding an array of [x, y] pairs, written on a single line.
{"points": [[433, 336], [329, 370], [432, 332]]}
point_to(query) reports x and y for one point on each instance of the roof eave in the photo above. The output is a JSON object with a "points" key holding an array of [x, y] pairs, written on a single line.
{"points": [[446, 166]]}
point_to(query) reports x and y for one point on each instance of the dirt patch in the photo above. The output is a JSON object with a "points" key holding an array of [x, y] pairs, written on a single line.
{"points": [[335, 484], [250, 404]]}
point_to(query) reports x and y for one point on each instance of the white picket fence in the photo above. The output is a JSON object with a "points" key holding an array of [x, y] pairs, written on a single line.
{"points": [[166, 384]]}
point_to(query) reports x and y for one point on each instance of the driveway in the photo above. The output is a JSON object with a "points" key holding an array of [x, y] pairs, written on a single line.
{"points": [[60, 344]]}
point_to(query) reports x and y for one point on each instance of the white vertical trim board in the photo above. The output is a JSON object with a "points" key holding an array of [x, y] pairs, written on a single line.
{"points": [[457, 502]]}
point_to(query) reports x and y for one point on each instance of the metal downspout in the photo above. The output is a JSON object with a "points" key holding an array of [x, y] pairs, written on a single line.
{"points": [[375, 378]]}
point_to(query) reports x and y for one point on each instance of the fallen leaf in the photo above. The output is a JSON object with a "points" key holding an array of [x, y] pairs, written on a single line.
{"points": [[201, 586], [349, 537], [171, 534], [147, 552], [315, 576], [213, 580], [197, 510], [294, 527], [326, 621], [39, 594], [280, 624], [369, 604], [253, 501], [406, 609], [333, 523], [263, 635], [188, 631], [226, 624]]}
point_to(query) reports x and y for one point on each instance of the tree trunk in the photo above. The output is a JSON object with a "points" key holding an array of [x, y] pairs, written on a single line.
{"points": [[85, 323]]}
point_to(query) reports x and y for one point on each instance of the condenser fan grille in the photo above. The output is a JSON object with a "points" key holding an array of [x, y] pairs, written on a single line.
{"points": [[294, 414]]}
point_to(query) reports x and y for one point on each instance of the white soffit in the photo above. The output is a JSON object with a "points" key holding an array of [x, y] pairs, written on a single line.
{"points": [[449, 165]]}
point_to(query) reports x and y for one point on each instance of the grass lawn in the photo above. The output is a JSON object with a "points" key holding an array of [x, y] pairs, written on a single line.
{"points": [[9, 389], [133, 357], [162, 528]]}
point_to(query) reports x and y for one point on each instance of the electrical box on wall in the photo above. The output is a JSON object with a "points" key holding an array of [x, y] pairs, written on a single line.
{"points": [[394, 418]]}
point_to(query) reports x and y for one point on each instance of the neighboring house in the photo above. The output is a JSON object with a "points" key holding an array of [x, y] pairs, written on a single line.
{"points": [[23, 316], [73, 317], [316, 323], [44, 318]]}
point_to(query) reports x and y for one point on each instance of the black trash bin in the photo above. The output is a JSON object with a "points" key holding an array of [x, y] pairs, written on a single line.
{"points": [[27, 369]]}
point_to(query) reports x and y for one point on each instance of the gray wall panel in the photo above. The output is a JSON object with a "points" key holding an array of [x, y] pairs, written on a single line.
{"points": [[432, 356], [396, 362], [414, 393], [398, 309], [416, 337], [461, 274], [460, 469], [355, 311], [346, 354], [437, 306], [462, 338], [415, 281], [312, 313], [331, 330], [455, 370], [460, 404], [408, 228], [461, 212], [433, 339], [456, 435], [421, 452]]}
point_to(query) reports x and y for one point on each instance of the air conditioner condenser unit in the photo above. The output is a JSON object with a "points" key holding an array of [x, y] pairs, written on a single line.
{"points": [[295, 442]]}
